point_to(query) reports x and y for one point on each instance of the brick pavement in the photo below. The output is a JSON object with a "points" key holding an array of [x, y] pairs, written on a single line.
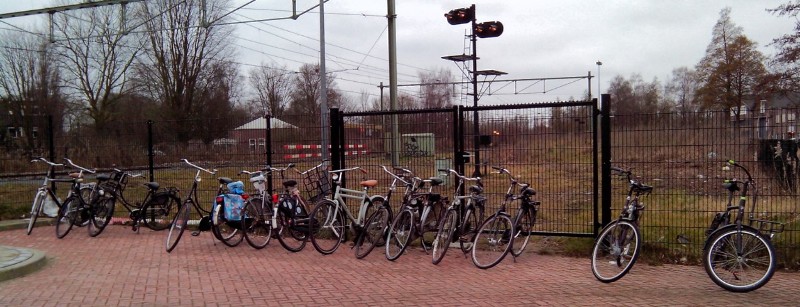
{"points": [[121, 268]]}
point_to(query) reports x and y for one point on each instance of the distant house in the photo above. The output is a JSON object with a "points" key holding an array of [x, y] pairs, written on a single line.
{"points": [[252, 135], [774, 118]]}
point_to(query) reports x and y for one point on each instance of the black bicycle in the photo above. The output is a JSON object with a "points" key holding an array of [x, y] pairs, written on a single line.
{"points": [[461, 220], [499, 235], [181, 221], [740, 257], [75, 210], [420, 214], [46, 193], [617, 246]]}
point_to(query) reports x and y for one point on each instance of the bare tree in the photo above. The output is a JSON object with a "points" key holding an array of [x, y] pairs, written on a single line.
{"points": [[272, 87], [436, 92], [179, 50], [306, 91], [731, 69], [95, 53], [680, 91], [28, 88], [785, 62]]}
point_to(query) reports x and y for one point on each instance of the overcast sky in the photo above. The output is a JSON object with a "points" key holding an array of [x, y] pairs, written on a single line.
{"points": [[541, 39]]}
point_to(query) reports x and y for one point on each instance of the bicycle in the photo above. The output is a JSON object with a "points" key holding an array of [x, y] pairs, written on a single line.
{"points": [[739, 257], [618, 244], [420, 214], [46, 193], [181, 220], [461, 219], [283, 216], [75, 210], [156, 210], [497, 234], [327, 220], [377, 225]]}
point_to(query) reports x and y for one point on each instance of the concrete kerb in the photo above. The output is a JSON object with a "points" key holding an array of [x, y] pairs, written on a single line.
{"points": [[15, 261]]}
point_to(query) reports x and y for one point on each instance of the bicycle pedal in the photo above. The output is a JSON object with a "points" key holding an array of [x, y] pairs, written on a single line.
{"points": [[195, 233]]}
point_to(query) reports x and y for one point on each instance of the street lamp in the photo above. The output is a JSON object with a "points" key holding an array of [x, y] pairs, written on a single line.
{"points": [[483, 30], [599, 92]]}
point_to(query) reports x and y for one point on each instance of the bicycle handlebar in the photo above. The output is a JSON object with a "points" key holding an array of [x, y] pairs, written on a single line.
{"points": [[731, 162], [406, 171], [212, 172], [462, 177], [45, 161], [315, 167], [79, 167], [132, 175]]}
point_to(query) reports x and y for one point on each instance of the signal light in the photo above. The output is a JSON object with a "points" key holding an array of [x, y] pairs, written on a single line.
{"points": [[220, 199], [460, 16], [489, 29]]}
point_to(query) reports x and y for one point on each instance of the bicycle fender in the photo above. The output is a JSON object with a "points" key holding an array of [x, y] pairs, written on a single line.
{"points": [[725, 228]]}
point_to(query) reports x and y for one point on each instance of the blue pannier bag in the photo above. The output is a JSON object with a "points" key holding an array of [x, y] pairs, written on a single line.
{"points": [[233, 207]]}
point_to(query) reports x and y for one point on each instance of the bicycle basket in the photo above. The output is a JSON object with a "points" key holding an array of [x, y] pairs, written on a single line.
{"points": [[317, 184]]}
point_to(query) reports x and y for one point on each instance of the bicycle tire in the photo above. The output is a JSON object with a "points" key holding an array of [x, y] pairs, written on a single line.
{"points": [[66, 217], [87, 193], [730, 269], [492, 241], [327, 227], [36, 209], [292, 237], [429, 223], [159, 212], [523, 226], [468, 230], [444, 236], [374, 232], [179, 225], [228, 232], [612, 257], [399, 235], [380, 203], [256, 223], [102, 210]]}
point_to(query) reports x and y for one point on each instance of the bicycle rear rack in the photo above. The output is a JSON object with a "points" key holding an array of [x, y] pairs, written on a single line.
{"points": [[767, 227]]}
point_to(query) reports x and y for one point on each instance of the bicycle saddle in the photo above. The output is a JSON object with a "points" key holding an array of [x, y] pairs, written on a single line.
{"points": [[103, 177], [152, 185], [436, 181], [476, 189], [528, 191], [369, 183], [289, 183], [225, 180], [75, 175]]}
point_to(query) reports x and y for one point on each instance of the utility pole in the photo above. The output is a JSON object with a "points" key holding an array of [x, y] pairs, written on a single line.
{"points": [[391, 16], [323, 86]]}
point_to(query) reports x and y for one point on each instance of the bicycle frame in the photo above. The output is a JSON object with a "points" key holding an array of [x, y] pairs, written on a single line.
{"points": [[341, 194]]}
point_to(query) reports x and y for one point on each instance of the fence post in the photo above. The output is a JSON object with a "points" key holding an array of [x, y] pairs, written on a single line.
{"points": [[458, 140], [335, 122], [605, 143], [596, 166], [51, 146], [150, 154], [268, 139]]}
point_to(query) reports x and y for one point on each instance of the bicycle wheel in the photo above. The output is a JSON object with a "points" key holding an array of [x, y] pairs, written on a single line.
{"points": [[429, 224], [327, 227], [36, 209], [228, 232], [468, 229], [615, 251], [374, 232], [102, 210], [444, 236], [523, 226], [739, 261], [256, 223], [178, 225], [159, 212], [492, 241], [399, 234], [67, 216], [291, 236]]}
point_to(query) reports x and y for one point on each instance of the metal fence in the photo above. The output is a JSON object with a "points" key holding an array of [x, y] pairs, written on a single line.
{"points": [[553, 146]]}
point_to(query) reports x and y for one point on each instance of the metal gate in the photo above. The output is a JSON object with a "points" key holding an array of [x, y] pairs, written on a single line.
{"points": [[552, 146]]}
